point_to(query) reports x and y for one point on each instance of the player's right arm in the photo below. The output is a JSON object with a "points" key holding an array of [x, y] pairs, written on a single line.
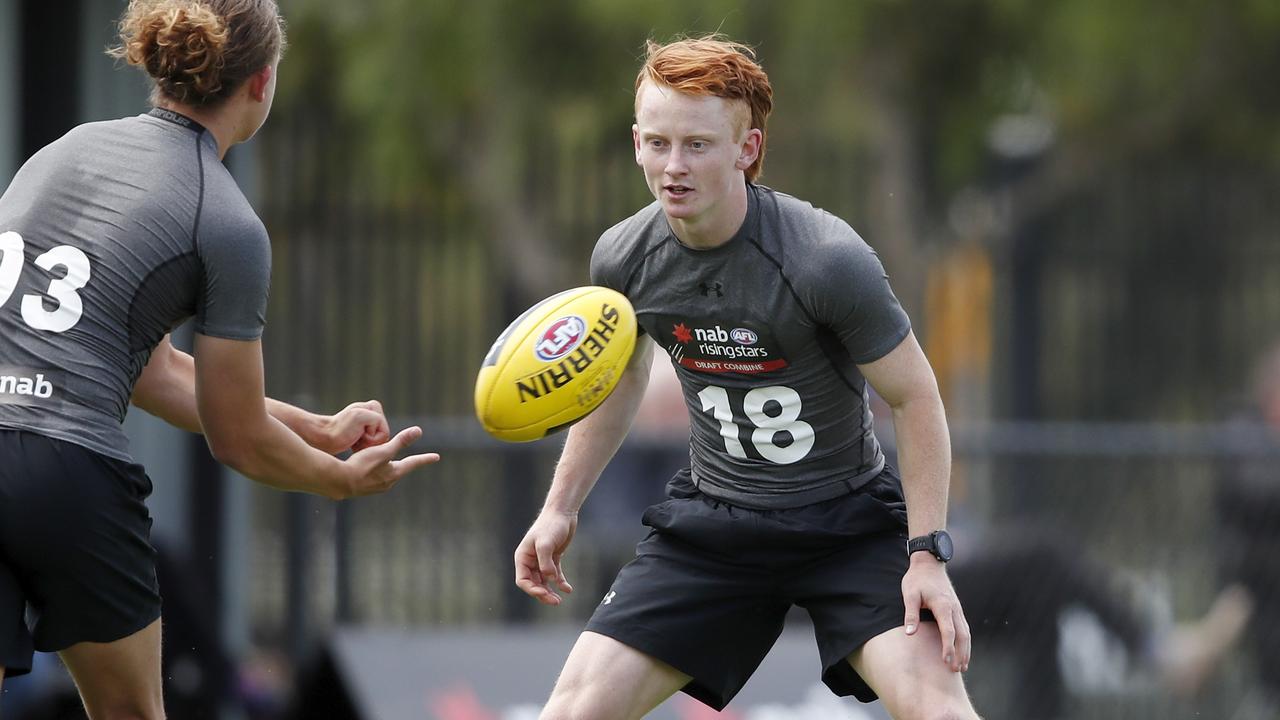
{"points": [[590, 445], [241, 433], [166, 388]]}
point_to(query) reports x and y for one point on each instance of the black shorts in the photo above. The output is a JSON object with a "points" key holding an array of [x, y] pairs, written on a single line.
{"points": [[710, 586], [75, 548]]}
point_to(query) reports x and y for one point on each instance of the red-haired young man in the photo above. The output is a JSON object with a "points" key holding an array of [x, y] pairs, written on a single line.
{"points": [[776, 316]]}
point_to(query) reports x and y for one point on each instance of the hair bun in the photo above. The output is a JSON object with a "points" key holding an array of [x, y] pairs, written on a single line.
{"points": [[200, 52], [181, 44]]}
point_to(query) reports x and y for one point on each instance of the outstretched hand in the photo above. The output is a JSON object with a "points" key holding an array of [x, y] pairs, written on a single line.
{"points": [[538, 556], [357, 426], [926, 585], [375, 469]]}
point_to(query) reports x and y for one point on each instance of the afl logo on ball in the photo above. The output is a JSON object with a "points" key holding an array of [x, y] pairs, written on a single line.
{"points": [[743, 336], [560, 338]]}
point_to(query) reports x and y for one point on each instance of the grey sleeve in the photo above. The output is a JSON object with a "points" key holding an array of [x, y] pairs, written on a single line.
{"points": [[851, 295], [604, 263], [236, 258], [608, 267]]}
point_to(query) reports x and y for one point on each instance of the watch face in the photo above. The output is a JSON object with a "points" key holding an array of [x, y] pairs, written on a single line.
{"points": [[942, 541]]}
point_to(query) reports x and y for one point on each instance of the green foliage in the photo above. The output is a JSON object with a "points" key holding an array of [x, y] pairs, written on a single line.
{"points": [[477, 149], [433, 84], [476, 97]]}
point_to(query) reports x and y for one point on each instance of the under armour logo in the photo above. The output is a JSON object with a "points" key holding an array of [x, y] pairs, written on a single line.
{"points": [[608, 598], [714, 287]]}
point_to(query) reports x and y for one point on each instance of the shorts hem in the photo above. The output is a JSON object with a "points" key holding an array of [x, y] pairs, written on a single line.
{"points": [[13, 667], [64, 640], [647, 642], [850, 683]]}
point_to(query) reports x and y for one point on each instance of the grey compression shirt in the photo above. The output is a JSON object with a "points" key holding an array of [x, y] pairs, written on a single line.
{"points": [[109, 238], [765, 332]]}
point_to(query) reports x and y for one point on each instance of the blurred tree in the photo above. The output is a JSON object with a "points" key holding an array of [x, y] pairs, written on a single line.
{"points": [[969, 120], [470, 94]]}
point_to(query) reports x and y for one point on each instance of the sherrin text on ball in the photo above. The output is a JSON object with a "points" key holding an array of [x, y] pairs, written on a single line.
{"points": [[555, 363]]}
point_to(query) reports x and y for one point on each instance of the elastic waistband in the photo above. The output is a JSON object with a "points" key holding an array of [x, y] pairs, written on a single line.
{"points": [[785, 501]]}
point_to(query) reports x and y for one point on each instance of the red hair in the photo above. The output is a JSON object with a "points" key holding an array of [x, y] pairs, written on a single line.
{"points": [[712, 65]]}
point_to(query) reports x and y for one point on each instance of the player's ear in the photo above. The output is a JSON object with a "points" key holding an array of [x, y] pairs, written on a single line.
{"points": [[749, 150], [635, 140], [259, 82]]}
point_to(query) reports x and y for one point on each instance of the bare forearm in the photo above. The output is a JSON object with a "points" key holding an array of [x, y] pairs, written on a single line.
{"points": [[594, 440], [271, 453], [167, 388], [307, 425], [924, 454], [168, 391], [587, 450]]}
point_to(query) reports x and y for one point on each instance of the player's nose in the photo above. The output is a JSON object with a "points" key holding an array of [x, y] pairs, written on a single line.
{"points": [[676, 165]]}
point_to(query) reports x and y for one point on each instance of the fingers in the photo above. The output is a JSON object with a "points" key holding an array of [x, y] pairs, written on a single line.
{"points": [[538, 591], [964, 640], [561, 580], [377, 469], [407, 465], [361, 425], [549, 564], [391, 448], [377, 435], [376, 429], [947, 629], [912, 618], [529, 578]]}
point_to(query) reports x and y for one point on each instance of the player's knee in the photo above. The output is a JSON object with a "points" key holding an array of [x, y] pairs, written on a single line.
{"points": [[130, 713], [944, 711], [129, 709], [935, 706], [569, 711], [573, 701]]}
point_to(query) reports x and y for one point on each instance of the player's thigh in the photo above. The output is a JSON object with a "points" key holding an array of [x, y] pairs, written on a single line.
{"points": [[604, 679], [119, 679], [908, 674]]}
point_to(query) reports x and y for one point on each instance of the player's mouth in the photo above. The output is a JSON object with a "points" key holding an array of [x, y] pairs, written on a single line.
{"points": [[677, 191]]}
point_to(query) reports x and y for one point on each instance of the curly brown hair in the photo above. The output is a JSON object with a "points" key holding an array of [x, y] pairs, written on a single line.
{"points": [[199, 52], [713, 65]]}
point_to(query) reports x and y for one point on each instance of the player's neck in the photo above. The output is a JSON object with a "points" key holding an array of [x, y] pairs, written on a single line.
{"points": [[219, 123], [716, 226]]}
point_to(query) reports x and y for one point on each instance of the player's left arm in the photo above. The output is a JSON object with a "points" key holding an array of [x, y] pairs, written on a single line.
{"points": [[167, 389], [905, 380]]}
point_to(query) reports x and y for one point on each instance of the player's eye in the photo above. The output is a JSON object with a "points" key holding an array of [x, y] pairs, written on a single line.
{"points": [[698, 145]]}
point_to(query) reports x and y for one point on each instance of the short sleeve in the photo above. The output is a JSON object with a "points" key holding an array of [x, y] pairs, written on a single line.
{"points": [[237, 278], [853, 297], [604, 263], [609, 261]]}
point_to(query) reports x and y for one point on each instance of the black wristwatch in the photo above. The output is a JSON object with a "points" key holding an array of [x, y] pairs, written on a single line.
{"points": [[938, 543]]}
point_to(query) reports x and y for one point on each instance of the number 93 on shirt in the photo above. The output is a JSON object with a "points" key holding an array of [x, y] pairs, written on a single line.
{"points": [[555, 363]]}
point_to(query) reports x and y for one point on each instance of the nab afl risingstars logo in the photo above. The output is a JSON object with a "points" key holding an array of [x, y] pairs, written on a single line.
{"points": [[560, 338], [722, 347]]}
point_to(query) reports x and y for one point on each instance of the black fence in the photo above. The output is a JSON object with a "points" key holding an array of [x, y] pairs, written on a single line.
{"points": [[1091, 558], [1146, 297]]}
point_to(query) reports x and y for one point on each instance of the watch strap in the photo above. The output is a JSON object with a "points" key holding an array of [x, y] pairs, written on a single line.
{"points": [[924, 542], [936, 543]]}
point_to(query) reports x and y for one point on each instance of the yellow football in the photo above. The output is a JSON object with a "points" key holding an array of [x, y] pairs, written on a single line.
{"points": [[555, 363]]}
